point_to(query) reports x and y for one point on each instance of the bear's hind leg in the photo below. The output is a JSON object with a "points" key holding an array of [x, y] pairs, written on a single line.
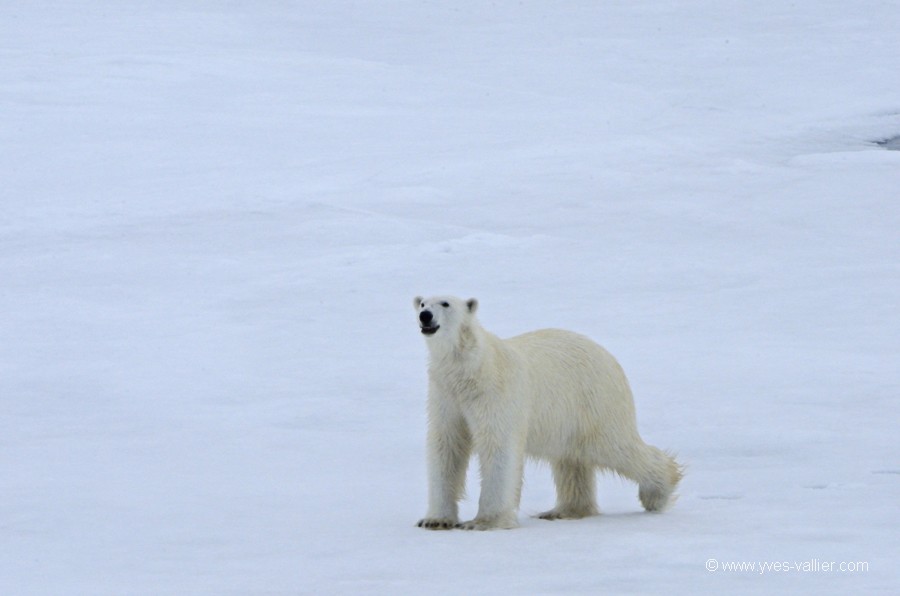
{"points": [[576, 489]]}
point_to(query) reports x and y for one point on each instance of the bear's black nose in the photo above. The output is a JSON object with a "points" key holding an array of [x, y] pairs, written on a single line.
{"points": [[425, 316]]}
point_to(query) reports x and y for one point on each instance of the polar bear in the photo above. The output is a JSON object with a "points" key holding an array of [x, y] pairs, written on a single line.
{"points": [[551, 395]]}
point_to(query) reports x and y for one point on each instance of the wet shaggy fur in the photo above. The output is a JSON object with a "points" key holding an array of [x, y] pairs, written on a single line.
{"points": [[551, 395]]}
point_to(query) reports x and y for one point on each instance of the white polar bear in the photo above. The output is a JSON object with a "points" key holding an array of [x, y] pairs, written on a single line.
{"points": [[552, 395]]}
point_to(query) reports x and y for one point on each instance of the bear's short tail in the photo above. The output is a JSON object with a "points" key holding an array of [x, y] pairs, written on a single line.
{"points": [[660, 477]]}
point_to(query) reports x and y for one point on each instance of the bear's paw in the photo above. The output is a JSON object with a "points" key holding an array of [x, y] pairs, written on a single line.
{"points": [[488, 524]]}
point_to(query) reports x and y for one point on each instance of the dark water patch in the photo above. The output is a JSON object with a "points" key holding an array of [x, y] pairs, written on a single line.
{"points": [[891, 143]]}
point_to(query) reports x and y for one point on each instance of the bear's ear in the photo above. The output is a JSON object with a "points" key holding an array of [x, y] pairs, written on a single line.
{"points": [[472, 304], [417, 302]]}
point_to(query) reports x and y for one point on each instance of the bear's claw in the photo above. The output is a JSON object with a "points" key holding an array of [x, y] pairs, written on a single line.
{"points": [[437, 524]]}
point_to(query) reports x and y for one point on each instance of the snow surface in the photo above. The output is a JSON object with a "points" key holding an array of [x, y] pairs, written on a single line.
{"points": [[215, 216]]}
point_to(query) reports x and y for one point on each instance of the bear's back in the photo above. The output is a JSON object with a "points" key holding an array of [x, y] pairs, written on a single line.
{"points": [[568, 365], [559, 344]]}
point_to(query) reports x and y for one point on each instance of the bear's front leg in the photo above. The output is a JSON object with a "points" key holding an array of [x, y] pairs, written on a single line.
{"points": [[449, 446], [501, 462]]}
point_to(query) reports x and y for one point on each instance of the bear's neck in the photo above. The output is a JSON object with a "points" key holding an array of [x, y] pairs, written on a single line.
{"points": [[466, 356]]}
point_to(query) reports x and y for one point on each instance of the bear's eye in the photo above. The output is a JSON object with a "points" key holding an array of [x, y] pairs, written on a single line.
{"points": [[445, 304]]}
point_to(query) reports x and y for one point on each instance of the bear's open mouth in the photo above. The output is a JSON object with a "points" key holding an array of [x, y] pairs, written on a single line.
{"points": [[430, 330]]}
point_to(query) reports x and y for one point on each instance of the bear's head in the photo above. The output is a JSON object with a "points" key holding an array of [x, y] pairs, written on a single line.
{"points": [[444, 315]]}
